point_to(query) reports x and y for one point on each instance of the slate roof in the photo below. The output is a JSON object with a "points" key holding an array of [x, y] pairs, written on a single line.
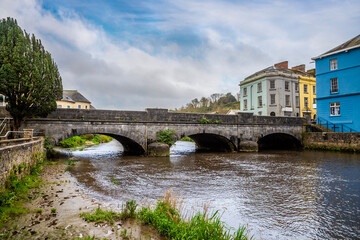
{"points": [[273, 69], [352, 43], [73, 96]]}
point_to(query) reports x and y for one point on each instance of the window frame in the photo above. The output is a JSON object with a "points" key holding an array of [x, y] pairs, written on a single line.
{"points": [[287, 86], [335, 109], [271, 99], [272, 84], [306, 102], [259, 101], [297, 101], [259, 87], [306, 88], [333, 64], [245, 91], [334, 90], [245, 104], [287, 100]]}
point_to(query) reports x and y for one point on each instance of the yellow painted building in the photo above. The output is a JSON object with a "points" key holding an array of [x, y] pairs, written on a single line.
{"points": [[307, 87], [73, 99]]}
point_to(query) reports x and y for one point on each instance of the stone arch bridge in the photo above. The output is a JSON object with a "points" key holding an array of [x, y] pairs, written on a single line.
{"points": [[136, 129]]}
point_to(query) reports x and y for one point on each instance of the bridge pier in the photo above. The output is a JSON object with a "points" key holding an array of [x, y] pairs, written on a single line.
{"points": [[248, 146]]}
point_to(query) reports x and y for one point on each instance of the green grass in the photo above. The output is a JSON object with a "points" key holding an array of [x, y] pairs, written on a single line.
{"points": [[169, 223], [72, 142], [102, 216], [38, 211], [114, 181], [16, 192], [78, 141], [187, 139]]}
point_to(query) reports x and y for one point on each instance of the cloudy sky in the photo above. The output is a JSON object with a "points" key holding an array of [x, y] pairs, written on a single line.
{"points": [[136, 54]]}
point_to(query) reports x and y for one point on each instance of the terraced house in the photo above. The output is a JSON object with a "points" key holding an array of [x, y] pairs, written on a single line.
{"points": [[273, 91], [338, 87]]}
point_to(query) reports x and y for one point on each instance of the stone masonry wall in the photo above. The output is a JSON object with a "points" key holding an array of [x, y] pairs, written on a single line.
{"points": [[19, 158], [332, 141], [163, 115]]}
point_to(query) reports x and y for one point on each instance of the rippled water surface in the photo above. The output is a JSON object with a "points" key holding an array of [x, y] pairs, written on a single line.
{"points": [[279, 194]]}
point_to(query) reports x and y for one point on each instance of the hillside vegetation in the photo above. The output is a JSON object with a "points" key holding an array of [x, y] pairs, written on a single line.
{"points": [[216, 103]]}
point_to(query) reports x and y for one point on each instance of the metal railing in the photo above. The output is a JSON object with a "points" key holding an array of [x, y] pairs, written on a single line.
{"points": [[3, 124], [16, 134], [335, 127]]}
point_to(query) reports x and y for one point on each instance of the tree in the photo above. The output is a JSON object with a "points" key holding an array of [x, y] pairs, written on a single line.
{"points": [[204, 101], [29, 77], [195, 102]]}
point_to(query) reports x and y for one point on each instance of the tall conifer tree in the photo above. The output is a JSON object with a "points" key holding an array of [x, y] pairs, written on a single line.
{"points": [[29, 77]]}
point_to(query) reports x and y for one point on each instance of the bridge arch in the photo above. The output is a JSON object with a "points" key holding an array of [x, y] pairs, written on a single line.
{"points": [[209, 142], [131, 147], [283, 141]]}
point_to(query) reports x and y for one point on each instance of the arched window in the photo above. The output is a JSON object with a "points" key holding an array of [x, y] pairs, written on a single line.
{"points": [[272, 114]]}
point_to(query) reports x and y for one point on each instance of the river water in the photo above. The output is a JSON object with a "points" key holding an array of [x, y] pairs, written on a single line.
{"points": [[277, 194]]}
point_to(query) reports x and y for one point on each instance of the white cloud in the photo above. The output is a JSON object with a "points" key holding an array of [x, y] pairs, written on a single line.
{"points": [[237, 39]]}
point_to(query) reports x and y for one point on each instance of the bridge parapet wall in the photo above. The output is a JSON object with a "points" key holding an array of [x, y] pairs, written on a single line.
{"points": [[163, 115]]}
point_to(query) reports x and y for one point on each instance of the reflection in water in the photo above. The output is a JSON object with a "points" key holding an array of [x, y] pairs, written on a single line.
{"points": [[279, 194]]}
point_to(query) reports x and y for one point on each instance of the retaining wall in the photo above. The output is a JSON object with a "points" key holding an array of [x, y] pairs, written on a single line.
{"points": [[19, 157], [332, 141]]}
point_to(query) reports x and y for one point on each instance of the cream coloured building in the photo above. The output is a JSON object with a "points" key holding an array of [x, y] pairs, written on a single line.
{"points": [[73, 99]]}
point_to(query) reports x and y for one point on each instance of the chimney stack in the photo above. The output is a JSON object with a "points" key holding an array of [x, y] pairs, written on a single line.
{"points": [[282, 64], [300, 68]]}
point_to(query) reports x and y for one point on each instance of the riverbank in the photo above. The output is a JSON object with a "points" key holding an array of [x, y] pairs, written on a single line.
{"points": [[54, 213], [331, 141]]}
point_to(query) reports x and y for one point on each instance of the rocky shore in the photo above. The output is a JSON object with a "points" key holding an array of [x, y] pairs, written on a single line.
{"points": [[54, 213]]}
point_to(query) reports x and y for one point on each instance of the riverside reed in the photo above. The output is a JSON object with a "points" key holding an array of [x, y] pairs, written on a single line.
{"points": [[167, 220]]}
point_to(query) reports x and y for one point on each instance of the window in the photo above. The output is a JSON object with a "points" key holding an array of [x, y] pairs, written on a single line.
{"points": [[287, 85], [306, 102], [272, 114], [297, 101], [260, 113], [79, 106], [272, 98], [333, 64], [245, 104], [259, 87], [334, 85], [259, 101], [59, 106], [245, 92], [305, 88], [314, 90], [287, 100], [314, 100], [335, 109], [272, 84], [296, 87], [85, 107], [68, 106]]}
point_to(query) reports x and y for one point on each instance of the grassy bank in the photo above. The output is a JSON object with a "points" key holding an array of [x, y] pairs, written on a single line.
{"points": [[168, 221], [16, 192], [83, 140]]}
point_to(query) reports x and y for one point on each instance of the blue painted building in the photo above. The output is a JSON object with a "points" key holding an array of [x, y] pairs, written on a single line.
{"points": [[338, 87]]}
